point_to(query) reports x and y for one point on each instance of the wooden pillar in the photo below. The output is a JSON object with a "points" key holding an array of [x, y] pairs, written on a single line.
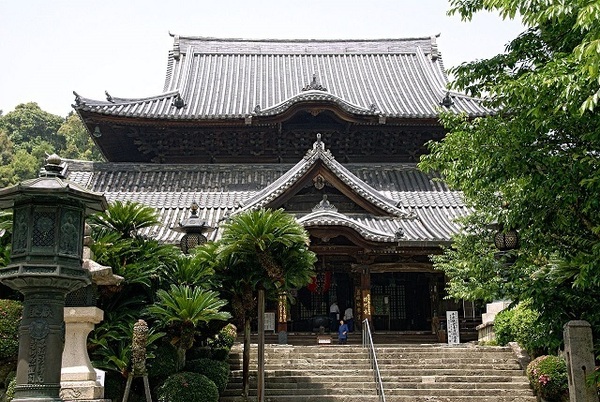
{"points": [[365, 290], [282, 313]]}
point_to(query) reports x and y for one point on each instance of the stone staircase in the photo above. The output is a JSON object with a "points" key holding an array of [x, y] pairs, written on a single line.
{"points": [[458, 373], [306, 374], [410, 372]]}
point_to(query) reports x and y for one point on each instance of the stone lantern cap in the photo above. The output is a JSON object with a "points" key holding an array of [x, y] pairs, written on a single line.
{"points": [[193, 224], [53, 187], [52, 183]]}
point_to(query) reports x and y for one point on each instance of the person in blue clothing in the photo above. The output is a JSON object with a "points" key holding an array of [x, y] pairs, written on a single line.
{"points": [[343, 333]]}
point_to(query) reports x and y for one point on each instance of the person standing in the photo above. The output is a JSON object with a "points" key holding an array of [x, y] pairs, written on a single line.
{"points": [[343, 333], [349, 318], [334, 316]]}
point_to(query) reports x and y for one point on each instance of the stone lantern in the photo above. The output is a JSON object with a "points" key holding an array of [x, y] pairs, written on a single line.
{"points": [[46, 264], [194, 229]]}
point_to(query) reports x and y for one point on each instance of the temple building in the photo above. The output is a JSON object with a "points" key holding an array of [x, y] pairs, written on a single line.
{"points": [[329, 130]]}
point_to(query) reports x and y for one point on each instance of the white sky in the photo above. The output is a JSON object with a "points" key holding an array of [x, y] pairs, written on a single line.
{"points": [[50, 48]]}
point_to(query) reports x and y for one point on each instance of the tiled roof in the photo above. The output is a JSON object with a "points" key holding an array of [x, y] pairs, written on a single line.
{"points": [[220, 190], [225, 178], [236, 79], [431, 223]]}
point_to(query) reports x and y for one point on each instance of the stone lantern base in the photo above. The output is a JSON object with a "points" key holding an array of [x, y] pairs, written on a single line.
{"points": [[78, 377]]}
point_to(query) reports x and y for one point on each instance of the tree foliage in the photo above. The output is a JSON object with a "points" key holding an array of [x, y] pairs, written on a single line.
{"points": [[262, 249], [532, 165], [28, 134]]}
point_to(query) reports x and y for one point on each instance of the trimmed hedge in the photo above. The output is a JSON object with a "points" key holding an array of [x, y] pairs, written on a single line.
{"points": [[188, 387], [217, 371]]}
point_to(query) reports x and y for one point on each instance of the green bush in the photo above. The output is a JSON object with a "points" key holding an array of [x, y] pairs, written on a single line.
{"points": [[502, 327], [163, 364], [220, 354], [10, 319], [188, 387], [225, 338], [548, 378], [10, 390], [199, 352], [521, 324], [217, 371]]}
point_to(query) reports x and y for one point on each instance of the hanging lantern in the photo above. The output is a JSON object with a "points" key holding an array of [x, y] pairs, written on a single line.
{"points": [[506, 240]]}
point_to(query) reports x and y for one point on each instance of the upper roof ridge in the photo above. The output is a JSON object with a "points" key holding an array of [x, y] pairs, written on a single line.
{"points": [[205, 44]]}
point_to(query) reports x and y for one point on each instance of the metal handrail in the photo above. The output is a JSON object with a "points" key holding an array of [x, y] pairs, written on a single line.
{"points": [[367, 341]]}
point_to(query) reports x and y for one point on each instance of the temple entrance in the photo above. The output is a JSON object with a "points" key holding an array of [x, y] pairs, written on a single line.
{"points": [[401, 301], [311, 309]]}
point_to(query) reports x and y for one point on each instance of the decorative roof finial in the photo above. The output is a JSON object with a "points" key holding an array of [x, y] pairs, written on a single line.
{"points": [[178, 102], [314, 85], [447, 101], [324, 205], [77, 98], [53, 167], [108, 97]]}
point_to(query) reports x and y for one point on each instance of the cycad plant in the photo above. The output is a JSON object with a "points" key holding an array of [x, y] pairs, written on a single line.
{"points": [[125, 218], [262, 250], [185, 307]]}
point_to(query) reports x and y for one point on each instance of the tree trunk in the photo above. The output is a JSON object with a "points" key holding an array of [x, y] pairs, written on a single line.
{"points": [[181, 358], [260, 386], [246, 359]]}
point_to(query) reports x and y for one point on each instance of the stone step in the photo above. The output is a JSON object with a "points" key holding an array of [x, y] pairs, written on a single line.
{"points": [[439, 392], [454, 379], [478, 398], [297, 383], [316, 389], [488, 384], [304, 398], [311, 376]]}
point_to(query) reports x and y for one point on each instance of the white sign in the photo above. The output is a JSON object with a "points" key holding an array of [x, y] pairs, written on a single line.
{"points": [[452, 327], [270, 322]]}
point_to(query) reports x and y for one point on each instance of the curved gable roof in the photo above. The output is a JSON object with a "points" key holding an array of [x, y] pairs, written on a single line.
{"points": [[271, 193]]}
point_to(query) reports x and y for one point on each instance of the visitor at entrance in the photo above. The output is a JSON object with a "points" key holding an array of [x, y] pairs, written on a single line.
{"points": [[334, 316], [343, 333], [349, 319]]}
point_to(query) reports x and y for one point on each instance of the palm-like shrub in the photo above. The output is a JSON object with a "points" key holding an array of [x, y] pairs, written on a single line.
{"points": [[125, 218], [266, 250], [195, 269], [188, 387], [185, 307]]}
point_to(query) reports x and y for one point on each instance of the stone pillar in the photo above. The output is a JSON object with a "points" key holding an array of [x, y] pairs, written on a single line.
{"points": [[579, 352], [78, 377], [41, 339]]}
